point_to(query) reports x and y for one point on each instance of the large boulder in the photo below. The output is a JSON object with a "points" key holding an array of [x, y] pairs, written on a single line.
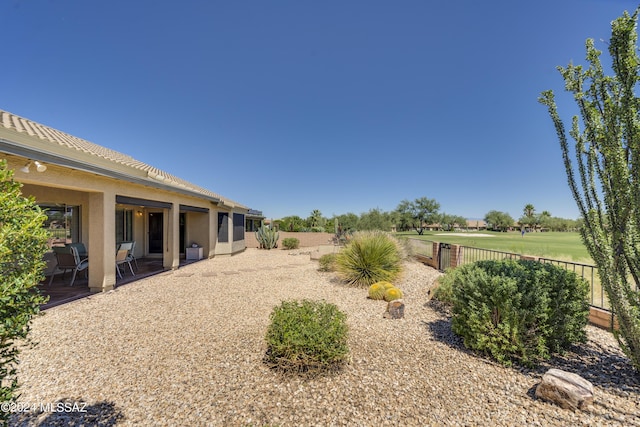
{"points": [[568, 390]]}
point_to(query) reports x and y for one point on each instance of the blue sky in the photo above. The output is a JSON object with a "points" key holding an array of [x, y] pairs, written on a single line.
{"points": [[291, 106]]}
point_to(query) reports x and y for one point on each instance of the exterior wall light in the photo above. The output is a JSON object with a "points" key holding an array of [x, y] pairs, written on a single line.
{"points": [[39, 167]]}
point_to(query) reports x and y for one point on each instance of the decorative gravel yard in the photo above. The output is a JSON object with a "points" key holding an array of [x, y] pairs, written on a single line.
{"points": [[187, 348]]}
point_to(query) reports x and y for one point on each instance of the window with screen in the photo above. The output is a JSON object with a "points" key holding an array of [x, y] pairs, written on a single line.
{"points": [[223, 227], [238, 227]]}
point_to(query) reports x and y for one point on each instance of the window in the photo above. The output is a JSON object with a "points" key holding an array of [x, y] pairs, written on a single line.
{"points": [[238, 227], [223, 227], [252, 224], [63, 223], [124, 225]]}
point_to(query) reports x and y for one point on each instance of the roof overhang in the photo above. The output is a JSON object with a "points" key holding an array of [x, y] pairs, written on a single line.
{"points": [[9, 147]]}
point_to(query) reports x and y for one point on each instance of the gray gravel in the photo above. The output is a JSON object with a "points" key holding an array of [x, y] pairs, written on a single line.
{"points": [[186, 348]]}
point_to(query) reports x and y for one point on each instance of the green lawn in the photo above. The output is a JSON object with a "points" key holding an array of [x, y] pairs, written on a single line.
{"points": [[555, 245]]}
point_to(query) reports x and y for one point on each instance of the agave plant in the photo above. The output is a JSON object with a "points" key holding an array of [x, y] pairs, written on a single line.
{"points": [[267, 237]]}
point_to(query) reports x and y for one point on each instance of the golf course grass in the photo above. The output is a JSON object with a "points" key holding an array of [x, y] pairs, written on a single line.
{"points": [[564, 246]]}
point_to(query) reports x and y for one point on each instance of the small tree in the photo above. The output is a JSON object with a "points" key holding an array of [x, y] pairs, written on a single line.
{"points": [[607, 153], [497, 220], [422, 211], [23, 242]]}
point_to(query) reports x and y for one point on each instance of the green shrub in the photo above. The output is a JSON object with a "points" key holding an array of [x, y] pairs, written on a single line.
{"points": [[370, 257], [307, 337], [444, 288], [290, 243], [23, 243], [392, 294], [377, 290], [521, 310], [327, 262]]}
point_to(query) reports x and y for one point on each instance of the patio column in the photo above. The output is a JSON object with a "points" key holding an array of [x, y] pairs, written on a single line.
{"points": [[171, 259], [102, 241], [213, 232]]}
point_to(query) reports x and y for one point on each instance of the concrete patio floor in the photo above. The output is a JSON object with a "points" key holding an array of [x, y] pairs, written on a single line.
{"points": [[60, 292]]}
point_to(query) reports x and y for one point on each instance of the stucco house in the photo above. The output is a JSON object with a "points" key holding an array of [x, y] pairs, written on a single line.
{"points": [[101, 197]]}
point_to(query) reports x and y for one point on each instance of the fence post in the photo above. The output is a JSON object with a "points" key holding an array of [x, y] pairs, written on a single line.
{"points": [[435, 254], [457, 252]]}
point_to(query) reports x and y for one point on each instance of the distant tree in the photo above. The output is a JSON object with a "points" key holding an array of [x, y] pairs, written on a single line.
{"points": [[543, 219], [290, 223], [347, 222], [499, 221], [529, 210], [459, 221], [422, 211], [529, 217], [403, 216], [315, 219], [375, 219], [604, 178], [450, 222]]}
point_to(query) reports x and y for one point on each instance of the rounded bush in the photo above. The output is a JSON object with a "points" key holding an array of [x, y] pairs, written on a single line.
{"points": [[370, 257], [522, 310], [290, 243], [307, 337], [392, 294], [377, 290]]}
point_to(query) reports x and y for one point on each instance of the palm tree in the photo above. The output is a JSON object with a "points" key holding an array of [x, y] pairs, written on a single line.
{"points": [[529, 210], [315, 220]]}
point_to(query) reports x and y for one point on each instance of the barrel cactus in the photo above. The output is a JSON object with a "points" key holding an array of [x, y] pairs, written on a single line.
{"points": [[392, 294], [377, 290], [267, 237], [387, 285]]}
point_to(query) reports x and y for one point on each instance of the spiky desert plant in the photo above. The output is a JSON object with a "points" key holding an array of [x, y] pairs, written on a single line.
{"points": [[377, 290], [370, 257], [392, 294], [267, 237]]}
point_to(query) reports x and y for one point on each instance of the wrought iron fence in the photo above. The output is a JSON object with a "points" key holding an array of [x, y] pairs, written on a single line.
{"points": [[469, 255], [422, 247], [590, 274]]}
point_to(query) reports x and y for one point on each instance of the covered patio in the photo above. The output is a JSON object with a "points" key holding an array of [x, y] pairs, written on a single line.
{"points": [[101, 199], [60, 292]]}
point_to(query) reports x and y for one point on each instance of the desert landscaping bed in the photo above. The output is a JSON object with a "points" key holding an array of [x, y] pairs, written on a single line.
{"points": [[187, 348]]}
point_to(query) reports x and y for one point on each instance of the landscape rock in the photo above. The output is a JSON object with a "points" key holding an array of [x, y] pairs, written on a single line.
{"points": [[395, 310], [566, 389]]}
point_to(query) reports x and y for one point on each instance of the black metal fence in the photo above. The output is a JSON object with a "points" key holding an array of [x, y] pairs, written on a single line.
{"points": [[421, 247], [590, 274], [469, 255]]}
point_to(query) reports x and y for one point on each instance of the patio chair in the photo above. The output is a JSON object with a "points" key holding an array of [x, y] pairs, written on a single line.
{"points": [[69, 259], [131, 255], [122, 258], [51, 267], [81, 248]]}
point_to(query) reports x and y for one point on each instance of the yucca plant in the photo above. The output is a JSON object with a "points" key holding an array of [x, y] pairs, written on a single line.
{"points": [[370, 257]]}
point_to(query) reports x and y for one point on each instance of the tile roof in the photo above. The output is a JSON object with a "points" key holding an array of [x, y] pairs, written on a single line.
{"points": [[135, 168]]}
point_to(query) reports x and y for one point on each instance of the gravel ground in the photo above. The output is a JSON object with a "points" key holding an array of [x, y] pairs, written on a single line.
{"points": [[187, 347]]}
